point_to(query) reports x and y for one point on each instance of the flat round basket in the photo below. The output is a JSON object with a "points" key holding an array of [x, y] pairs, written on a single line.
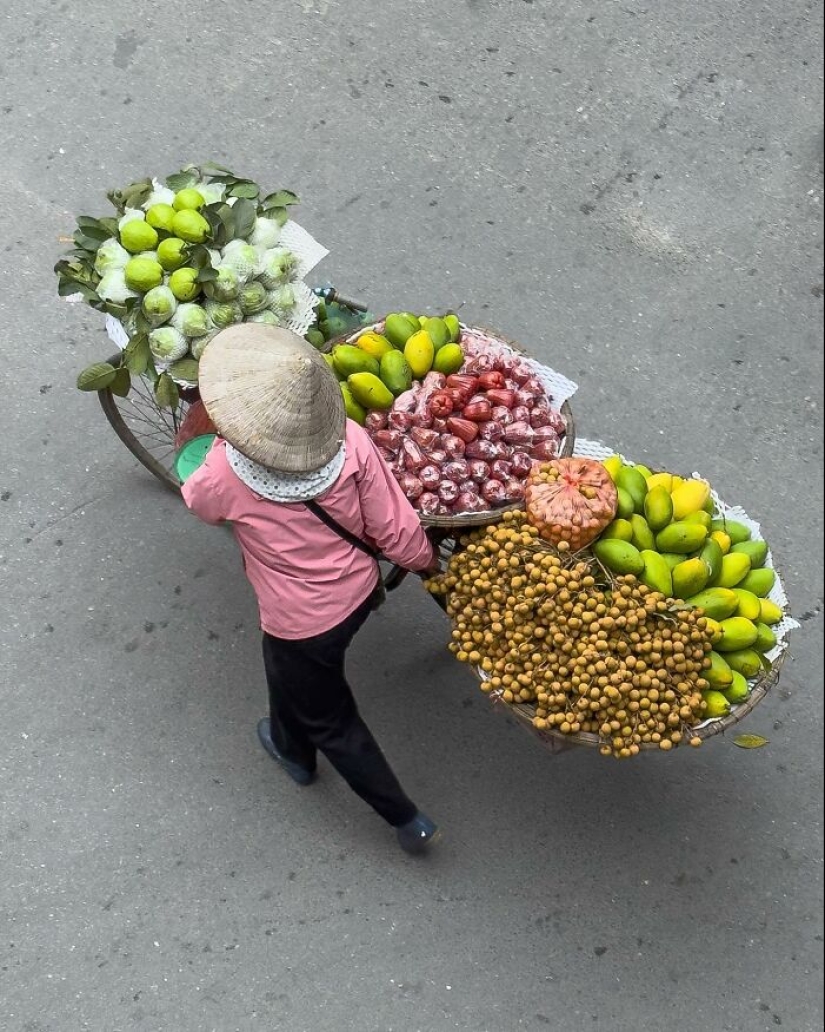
{"points": [[768, 680], [478, 519], [760, 686]]}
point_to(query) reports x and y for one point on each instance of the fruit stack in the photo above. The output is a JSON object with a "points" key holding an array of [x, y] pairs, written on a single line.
{"points": [[460, 443], [669, 534], [379, 367]]}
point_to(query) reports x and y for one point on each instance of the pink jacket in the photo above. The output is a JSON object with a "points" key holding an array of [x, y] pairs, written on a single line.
{"points": [[307, 579]]}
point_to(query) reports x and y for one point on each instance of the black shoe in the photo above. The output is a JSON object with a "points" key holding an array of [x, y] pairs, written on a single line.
{"points": [[300, 775], [418, 835]]}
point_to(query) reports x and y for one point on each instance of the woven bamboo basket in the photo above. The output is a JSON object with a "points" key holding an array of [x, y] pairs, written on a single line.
{"points": [[467, 521], [556, 741]]}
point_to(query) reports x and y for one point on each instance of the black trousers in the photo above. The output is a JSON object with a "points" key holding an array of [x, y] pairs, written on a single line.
{"points": [[311, 709]]}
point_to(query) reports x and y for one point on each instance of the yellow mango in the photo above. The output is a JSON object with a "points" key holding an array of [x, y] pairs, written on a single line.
{"points": [[690, 577], [690, 497], [735, 567], [722, 540], [419, 352], [374, 344], [714, 629], [664, 480], [737, 634], [769, 612], [658, 507], [613, 465], [749, 605], [716, 705]]}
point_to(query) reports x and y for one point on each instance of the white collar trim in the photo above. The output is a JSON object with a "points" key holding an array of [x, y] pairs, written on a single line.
{"points": [[285, 487]]}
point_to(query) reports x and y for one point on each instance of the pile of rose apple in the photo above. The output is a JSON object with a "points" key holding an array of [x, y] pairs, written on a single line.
{"points": [[466, 443]]}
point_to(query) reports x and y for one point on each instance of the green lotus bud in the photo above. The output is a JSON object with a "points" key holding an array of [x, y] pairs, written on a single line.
{"points": [[277, 267], [113, 288], [267, 316], [282, 299], [224, 313], [110, 255], [225, 287], [253, 298], [265, 234], [159, 305], [199, 346], [191, 320], [167, 344], [241, 258]]}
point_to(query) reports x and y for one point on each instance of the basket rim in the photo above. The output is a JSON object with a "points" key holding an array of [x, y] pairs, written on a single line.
{"points": [[768, 680], [475, 519]]}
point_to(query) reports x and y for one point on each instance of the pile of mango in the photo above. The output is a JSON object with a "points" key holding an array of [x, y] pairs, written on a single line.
{"points": [[379, 367], [666, 534]]}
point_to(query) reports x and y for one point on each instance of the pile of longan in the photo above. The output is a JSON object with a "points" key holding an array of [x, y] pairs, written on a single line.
{"points": [[588, 652]]}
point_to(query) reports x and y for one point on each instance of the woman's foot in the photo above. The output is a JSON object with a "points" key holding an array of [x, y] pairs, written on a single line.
{"points": [[418, 835], [300, 775]]}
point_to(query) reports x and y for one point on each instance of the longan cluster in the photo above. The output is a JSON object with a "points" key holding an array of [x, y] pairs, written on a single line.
{"points": [[549, 631]]}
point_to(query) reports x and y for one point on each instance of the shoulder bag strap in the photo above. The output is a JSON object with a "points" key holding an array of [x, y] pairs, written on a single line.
{"points": [[342, 532]]}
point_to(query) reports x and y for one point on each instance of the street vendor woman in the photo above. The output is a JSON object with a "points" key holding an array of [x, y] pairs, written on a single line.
{"points": [[311, 504]]}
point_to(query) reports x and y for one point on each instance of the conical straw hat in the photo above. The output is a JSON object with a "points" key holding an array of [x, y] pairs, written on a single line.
{"points": [[272, 396]]}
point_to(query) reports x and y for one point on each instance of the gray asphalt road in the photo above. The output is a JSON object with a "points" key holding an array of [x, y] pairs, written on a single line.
{"points": [[632, 190]]}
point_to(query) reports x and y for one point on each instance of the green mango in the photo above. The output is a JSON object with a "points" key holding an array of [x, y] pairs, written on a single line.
{"points": [[369, 391], [330, 361], [399, 328], [396, 373], [765, 638], [634, 482], [756, 551], [355, 411], [737, 532], [619, 556], [350, 360], [739, 689], [656, 574], [681, 537], [718, 675], [438, 331], [713, 555], [316, 338], [454, 326], [643, 537], [625, 508], [658, 508], [717, 603], [759, 582], [747, 662], [618, 530]]}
